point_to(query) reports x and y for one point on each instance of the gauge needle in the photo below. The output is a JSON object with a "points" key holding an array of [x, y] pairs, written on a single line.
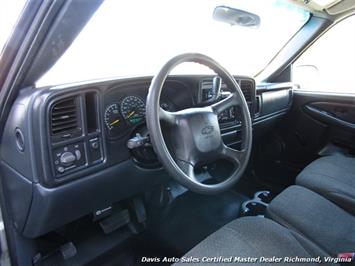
{"points": [[130, 114], [115, 122]]}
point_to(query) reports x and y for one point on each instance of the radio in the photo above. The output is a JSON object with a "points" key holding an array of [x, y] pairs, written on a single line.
{"points": [[228, 115]]}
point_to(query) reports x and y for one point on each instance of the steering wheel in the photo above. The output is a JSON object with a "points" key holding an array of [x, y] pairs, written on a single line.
{"points": [[193, 135]]}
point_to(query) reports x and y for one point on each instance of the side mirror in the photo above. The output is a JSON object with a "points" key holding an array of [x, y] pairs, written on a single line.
{"points": [[305, 76]]}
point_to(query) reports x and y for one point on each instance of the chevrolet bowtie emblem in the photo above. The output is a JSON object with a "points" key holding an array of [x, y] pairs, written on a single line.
{"points": [[207, 130]]}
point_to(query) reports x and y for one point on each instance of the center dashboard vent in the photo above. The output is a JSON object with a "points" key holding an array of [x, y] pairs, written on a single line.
{"points": [[247, 89], [245, 85], [65, 117]]}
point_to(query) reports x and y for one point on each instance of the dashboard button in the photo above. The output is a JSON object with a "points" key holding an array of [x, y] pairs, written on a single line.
{"points": [[67, 158], [78, 155], [94, 143], [60, 169], [95, 150]]}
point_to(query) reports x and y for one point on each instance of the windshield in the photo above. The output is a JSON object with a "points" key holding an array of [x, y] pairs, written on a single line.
{"points": [[136, 37], [9, 13]]}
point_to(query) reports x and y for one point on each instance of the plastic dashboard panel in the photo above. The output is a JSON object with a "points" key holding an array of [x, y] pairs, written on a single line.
{"points": [[273, 99], [41, 202]]}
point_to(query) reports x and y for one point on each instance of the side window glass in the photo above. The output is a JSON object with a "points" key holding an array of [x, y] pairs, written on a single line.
{"points": [[329, 64]]}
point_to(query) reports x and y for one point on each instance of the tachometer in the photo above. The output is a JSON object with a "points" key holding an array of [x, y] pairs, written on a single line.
{"points": [[133, 109], [113, 120]]}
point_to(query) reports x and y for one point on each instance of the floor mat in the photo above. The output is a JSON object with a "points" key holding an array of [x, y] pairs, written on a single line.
{"points": [[174, 231], [192, 217]]}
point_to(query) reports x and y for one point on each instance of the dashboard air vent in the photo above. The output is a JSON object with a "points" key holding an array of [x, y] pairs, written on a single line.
{"points": [[247, 88], [64, 117], [245, 85], [206, 90]]}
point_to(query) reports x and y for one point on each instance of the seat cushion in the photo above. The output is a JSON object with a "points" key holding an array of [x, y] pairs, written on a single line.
{"points": [[252, 237], [316, 218], [333, 177]]}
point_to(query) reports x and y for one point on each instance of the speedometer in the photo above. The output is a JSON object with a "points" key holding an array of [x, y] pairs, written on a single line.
{"points": [[133, 109], [113, 120]]}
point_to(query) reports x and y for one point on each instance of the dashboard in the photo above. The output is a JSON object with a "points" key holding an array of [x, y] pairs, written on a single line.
{"points": [[86, 145], [93, 127]]}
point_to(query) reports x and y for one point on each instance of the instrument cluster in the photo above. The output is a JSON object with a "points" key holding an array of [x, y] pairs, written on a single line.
{"points": [[119, 117], [122, 116], [124, 108]]}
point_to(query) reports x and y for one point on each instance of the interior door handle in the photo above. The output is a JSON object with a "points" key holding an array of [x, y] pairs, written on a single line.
{"points": [[328, 118]]}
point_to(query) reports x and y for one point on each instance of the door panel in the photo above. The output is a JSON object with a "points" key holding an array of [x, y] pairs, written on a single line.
{"points": [[319, 120], [336, 114]]}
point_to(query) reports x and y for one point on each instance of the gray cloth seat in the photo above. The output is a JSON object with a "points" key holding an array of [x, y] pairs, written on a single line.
{"points": [[307, 213], [252, 237], [333, 177]]}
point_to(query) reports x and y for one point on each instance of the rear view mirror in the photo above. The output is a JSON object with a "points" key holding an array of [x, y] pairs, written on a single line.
{"points": [[235, 16]]}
